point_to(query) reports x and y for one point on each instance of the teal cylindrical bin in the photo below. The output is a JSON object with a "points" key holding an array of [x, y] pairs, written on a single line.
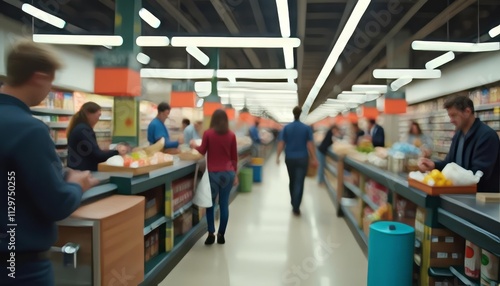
{"points": [[257, 164], [245, 178], [390, 254]]}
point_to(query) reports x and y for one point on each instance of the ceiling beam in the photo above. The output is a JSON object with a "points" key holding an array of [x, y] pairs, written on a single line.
{"points": [[323, 16], [374, 52], [301, 33], [261, 25], [196, 13], [228, 19], [447, 14], [179, 16]]}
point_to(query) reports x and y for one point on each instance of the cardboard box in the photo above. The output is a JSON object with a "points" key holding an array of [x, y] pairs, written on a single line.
{"points": [[183, 223]]}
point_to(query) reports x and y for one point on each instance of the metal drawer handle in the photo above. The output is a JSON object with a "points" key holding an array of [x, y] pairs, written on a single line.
{"points": [[69, 251]]}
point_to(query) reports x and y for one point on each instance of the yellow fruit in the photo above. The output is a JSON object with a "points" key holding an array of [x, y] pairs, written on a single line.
{"points": [[440, 183], [448, 183], [435, 174]]}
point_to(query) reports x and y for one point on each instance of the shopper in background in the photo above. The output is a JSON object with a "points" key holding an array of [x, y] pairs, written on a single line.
{"points": [[219, 144], [191, 132], [377, 133], [83, 151], [33, 181], [254, 135], [331, 136], [357, 133], [297, 141], [157, 128], [419, 140], [475, 145]]}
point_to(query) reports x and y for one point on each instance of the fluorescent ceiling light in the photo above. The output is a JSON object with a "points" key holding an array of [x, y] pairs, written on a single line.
{"points": [[284, 17], [258, 73], [369, 87], [495, 31], [44, 16], [371, 95], [152, 41], [413, 73], [359, 98], [455, 46], [86, 40], [337, 50], [207, 85], [400, 82], [235, 42], [439, 61], [289, 60], [108, 47], [143, 58], [149, 18], [198, 54], [177, 73], [200, 102], [349, 103]]}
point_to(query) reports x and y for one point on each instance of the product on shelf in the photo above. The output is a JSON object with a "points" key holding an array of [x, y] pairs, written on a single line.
{"points": [[183, 223], [472, 260], [489, 268]]}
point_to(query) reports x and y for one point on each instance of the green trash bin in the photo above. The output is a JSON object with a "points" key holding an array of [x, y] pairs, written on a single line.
{"points": [[246, 180]]}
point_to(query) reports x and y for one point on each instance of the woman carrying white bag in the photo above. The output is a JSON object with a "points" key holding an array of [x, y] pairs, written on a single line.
{"points": [[219, 146]]}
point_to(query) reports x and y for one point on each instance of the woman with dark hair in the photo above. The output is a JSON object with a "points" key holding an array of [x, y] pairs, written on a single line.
{"points": [[83, 151], [219, 144], [332, 135], [418, 139]]}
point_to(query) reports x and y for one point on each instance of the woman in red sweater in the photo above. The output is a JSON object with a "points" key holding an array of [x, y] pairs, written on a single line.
{"points": [[219, 143]]}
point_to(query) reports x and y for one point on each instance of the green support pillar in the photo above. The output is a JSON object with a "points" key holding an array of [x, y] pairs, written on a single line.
{"points": [[212, 102], [117, 73]]}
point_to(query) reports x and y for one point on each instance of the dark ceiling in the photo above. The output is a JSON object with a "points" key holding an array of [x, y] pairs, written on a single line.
{"points": [[317, 23]]}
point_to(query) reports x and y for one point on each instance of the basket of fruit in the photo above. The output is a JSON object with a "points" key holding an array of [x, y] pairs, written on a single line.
{"points": [[436, 183]]}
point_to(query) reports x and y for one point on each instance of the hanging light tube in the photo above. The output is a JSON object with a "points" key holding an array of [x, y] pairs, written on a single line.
{"points": [[439, 61], [413, 73], [235, 42], [43, 16], [143, 58], [177, 73], [152, 41], [289, 59], [400, 82], [455, 46], [495, 31], [337, 50], [198, 54], [202, 85], [149, 18], [258, 73], [284, 18], [85, 40], [368, 87], [359, 98]]}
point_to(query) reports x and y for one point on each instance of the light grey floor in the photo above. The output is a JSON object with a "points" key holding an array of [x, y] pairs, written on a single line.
{"points": [[267, 245]]}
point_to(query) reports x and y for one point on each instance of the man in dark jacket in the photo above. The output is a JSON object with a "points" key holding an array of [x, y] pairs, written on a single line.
{"points": [[377, 133], [35, 193], [475, 145]]}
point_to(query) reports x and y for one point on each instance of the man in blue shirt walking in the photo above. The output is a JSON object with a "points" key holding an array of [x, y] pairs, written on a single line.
{"points": [[157, 128], [297, 141]]}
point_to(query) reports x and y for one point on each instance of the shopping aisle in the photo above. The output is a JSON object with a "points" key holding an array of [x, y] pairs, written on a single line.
{"points": [[267, 245]]}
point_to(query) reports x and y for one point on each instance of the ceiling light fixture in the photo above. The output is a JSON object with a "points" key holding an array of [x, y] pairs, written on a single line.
{"points": [[143, 58], [337, 50], [413, 73], [198, 54], [284, 17], [203, 85], [455, 46], [439, 61], [235, 42], [495, 31], [258, 73], [85, 40], [177, 73], [400, 82], [289, 58], [368, 87], [358, 98], [152, 41], [149, 18], [44, 16]]}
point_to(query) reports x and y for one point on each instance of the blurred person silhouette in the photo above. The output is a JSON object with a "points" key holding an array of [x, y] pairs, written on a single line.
{"points": [[419, 140], [192, 131], [377, 133], [219, 144], [83, 151], [254, 135], [357, 133], [331, 136], [297, 141], [33, 175], [157, 128]]}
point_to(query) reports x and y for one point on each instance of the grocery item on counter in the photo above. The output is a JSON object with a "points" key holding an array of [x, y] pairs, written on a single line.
{"points": [[152, 149], [433, 178], [460, 176], [405, 148], [342, 148], [139, 159], [472, 261], [365, 146], [376, 160]]}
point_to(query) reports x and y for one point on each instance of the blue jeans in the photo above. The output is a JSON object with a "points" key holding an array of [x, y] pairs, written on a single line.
{"points": [[297, 171], [321, 168], [221, 184]]}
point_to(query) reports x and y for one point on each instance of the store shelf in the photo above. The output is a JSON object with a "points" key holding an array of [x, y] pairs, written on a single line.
{"points": [[358, 233], [50, 111], [153, 223], [332, 170], [332, 192], [105, 118], [483, 107], [61, 142], [150, 265], [103, 131], [182, 209], [361, 195], [459, 272], [60, 125]]}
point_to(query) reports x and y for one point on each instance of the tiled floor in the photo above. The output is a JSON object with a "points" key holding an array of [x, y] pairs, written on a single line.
{"points": [[267, 245]]}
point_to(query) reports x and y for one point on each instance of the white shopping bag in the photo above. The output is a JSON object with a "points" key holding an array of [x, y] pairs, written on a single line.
{"points": [[203, 194]]}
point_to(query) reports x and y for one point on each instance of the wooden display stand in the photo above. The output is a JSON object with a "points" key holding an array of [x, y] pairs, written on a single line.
{"points": [[114, 243]]}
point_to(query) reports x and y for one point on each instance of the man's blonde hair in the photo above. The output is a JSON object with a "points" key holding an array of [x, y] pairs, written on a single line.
{"points": [[26, 58]]}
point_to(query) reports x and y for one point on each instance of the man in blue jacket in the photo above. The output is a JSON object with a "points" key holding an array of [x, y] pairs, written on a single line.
{"points": [[157, 128], [35, 192], [475, 145], [254, 135]]}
